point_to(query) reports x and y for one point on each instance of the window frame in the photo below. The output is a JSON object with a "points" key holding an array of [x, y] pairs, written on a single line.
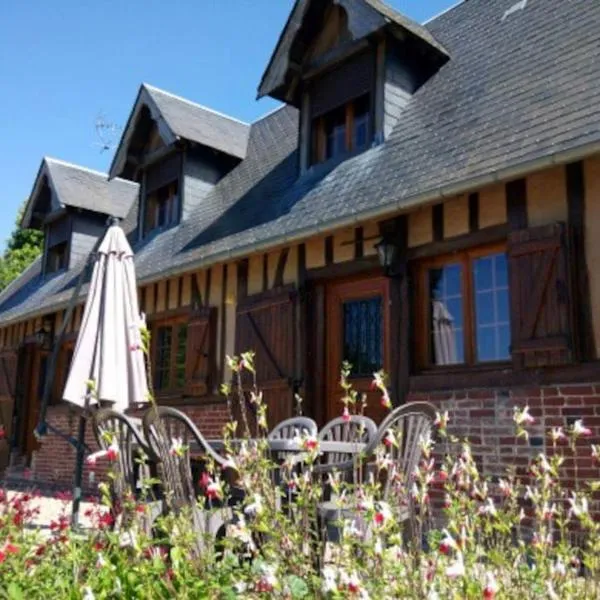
{"points": [[152, 209], [52, 256], [318, 131], [174, 323], [423, 337]]}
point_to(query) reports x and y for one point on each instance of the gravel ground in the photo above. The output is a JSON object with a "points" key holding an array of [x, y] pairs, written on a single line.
{"points": [[51, 508]]}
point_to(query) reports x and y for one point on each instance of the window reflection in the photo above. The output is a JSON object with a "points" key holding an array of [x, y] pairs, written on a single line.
{"points": [[446, 315], [490, 274]]}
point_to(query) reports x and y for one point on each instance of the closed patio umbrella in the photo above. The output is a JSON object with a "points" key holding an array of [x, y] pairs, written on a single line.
{"points": [[444, 343], [107, 349]]}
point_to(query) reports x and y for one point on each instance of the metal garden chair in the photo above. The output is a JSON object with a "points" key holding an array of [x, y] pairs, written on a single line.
{"points": [[167, 431], [135, 459], [409, 425]]}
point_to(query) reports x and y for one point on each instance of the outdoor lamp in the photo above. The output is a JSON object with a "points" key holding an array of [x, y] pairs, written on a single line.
{"points": [[387, 252], [43, 336]]}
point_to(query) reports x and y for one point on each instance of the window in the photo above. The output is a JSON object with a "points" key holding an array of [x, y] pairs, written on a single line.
{"points": [[463, 309], [162, 207], [344, 129], [363, 335], [56, 258], [169, 341]]}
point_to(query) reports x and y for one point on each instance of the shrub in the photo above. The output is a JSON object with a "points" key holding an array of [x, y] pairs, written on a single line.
{"points": [[472, 536]]}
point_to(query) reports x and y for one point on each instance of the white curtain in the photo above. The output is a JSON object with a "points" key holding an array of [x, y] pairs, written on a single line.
{"points": [[444, 343]]}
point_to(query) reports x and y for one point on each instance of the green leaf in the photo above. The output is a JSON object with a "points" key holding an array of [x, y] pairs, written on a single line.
{"points": [[297, 586], [15, 592]]}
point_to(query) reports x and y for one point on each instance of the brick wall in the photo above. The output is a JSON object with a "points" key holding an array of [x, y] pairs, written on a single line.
{"points": [[485, 417], [55, 460]]}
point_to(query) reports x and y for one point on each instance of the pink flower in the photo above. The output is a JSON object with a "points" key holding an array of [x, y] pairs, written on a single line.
{"points": [[177, 448], [10, 549], [346, 415], [557, 434], [390, 439], [111, 453], [491, 587], [580, 430], [310, 443], [447, 544], [522, 417], [214, 491], [441, 420]]}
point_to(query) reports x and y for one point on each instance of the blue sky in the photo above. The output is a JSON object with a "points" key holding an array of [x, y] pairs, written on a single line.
{"points": [[64, 63]]}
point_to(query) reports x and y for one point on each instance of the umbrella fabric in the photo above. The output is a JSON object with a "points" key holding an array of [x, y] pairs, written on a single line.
{"points": [[108, 346], [444, 344]]}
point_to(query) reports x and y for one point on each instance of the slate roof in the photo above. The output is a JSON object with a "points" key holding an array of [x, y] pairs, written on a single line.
{"points": [[516, 90], [178, 118], [80, 187]]}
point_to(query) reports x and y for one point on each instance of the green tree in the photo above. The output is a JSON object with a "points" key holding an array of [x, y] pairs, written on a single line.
{"points": [[22, 248]]}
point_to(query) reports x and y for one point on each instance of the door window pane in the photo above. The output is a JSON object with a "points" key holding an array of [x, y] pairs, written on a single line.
{"points": [[491, 308], [363, 336], [181, 347], [446, 315], [163, 358]]}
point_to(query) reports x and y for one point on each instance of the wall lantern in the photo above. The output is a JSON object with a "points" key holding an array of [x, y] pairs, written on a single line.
{"points": [[388, 253], [43, 336]]}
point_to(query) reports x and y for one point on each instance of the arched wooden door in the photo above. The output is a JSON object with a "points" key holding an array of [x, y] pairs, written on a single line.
{"points": [[357, 331]]}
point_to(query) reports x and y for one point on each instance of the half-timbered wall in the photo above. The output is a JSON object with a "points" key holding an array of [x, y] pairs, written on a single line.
{"points": [[592, 239]]}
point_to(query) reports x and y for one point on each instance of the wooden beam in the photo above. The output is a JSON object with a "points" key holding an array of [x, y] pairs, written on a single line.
{"points": [[516, 204], [489, 235], [359, 243], [437, 216], [242, 279], [400, 318], [223, 327], [281, 262], [580, 274], [329, 250], [265, 274], [473, 212]]}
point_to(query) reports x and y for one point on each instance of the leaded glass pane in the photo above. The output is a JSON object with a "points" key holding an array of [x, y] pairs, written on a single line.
{"points": [[363, 336], [163, 358]]}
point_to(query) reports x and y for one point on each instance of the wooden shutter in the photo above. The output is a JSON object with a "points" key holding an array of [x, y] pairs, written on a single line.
{"points": [[200, 358], [8, 379], [541, 307], [266, 324]]}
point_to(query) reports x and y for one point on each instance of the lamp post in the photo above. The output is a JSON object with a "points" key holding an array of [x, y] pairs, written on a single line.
{"points": [[388, 253]]}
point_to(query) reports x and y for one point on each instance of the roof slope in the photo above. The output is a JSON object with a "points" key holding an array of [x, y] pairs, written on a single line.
{"points": [[191, 121], [80, 187], [516, 90]]}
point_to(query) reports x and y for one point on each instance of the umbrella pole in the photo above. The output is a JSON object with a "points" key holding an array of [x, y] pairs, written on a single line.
{"points": [[78, 471]]}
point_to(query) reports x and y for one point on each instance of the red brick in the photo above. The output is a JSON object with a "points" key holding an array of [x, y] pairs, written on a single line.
{"points": [[481, 394], [577, 390], [482, 412]]}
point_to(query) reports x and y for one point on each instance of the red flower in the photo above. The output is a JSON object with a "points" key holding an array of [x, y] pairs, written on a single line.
{"points": [[11, 549], [205, 479], [445, 547], [2, 495], [112, 454], [2, 557], [379, 518], [140, 508], [105, 520], [2, 432]]}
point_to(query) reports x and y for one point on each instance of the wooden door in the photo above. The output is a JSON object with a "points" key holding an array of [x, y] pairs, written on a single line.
{"points": [[357, 330], [34, 378], [266, 324]]}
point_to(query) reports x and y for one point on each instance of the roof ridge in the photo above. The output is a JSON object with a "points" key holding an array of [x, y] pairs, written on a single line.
{"points": [[196, 104], [443, 12], [71, 165], [269, 113]]}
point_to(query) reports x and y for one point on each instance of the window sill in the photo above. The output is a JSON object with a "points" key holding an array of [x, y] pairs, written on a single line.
{"points": [[501, 375]]}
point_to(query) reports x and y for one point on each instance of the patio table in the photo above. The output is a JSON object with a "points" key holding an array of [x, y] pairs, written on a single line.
{"points": [[292, 446]]}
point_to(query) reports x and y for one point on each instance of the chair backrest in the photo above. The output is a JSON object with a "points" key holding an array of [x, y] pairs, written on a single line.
{"points": [[162, 426], [111, 426], [288, 429], [357, 429], [409, 424]]}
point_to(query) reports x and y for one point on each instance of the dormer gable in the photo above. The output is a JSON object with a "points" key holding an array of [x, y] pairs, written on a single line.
{"points": [[71, 204], [350, 66], [177, 151]]}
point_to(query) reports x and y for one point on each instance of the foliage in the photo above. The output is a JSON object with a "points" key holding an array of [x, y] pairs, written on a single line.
{"points": [[22, 248], [500, 539]]}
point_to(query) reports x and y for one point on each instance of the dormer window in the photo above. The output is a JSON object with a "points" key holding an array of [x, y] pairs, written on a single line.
{"points": [[162, 207], [342, 130], [161, 203], [56, 257]]}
